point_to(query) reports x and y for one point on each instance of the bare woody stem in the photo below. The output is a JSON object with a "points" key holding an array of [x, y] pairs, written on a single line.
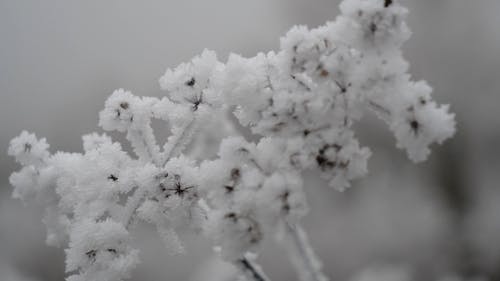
{"points": [[307, 264], [250, 270]]}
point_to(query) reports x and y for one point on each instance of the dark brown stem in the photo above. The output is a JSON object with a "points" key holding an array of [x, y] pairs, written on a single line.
{"points": [[250, 270]]}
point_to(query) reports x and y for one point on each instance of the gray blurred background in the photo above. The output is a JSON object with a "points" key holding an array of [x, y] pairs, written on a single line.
{"points": [[60, 59]]}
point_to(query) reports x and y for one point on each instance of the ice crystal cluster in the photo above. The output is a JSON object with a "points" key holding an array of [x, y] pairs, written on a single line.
{"points": [[300, 102]]}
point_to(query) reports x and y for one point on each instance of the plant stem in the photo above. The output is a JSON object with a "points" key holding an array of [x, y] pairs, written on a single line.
{"points": [[307, 264], [179, 141], [131, 206], [144, 144], [136, 199], [250, 270]]}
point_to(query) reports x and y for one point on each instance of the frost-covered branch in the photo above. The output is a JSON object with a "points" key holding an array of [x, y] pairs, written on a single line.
{"points": [[251, 270], [302, 102], [302, 254]]}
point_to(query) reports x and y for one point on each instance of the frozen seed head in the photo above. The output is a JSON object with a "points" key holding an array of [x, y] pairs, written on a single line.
{"points": [[100, 249], [192, 83], [235, 232], [119, 111], [28, 150]]}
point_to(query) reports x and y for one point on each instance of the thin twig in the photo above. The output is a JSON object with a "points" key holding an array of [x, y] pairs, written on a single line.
{"points": [[136, 199], [145, 139], [304, 256], [178, 142], [131, 206], [250, 270], [382, 111]]}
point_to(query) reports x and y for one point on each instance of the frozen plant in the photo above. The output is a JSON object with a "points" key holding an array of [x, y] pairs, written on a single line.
{"points": [[301, 101]]}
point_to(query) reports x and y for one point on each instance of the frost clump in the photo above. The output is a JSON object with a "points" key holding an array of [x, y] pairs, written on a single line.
{"points": [[100, 251], [28, 150]]}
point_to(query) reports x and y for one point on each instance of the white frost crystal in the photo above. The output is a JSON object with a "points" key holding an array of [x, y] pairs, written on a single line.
{"points": [[28, 150], [99, 251]]}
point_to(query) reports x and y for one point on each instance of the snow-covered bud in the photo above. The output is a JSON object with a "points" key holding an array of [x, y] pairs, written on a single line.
{"points": [[176, 182], [303, 49], [28, 150], [339, 157], [181, 183], [245, 83], [125, 112], [119, 111], [89, 185], [236, 232], [339, 66], [374, 24], [191, 83], [100, 251], [172, 194], [220, 180], [420, 122], [281, 198]]}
